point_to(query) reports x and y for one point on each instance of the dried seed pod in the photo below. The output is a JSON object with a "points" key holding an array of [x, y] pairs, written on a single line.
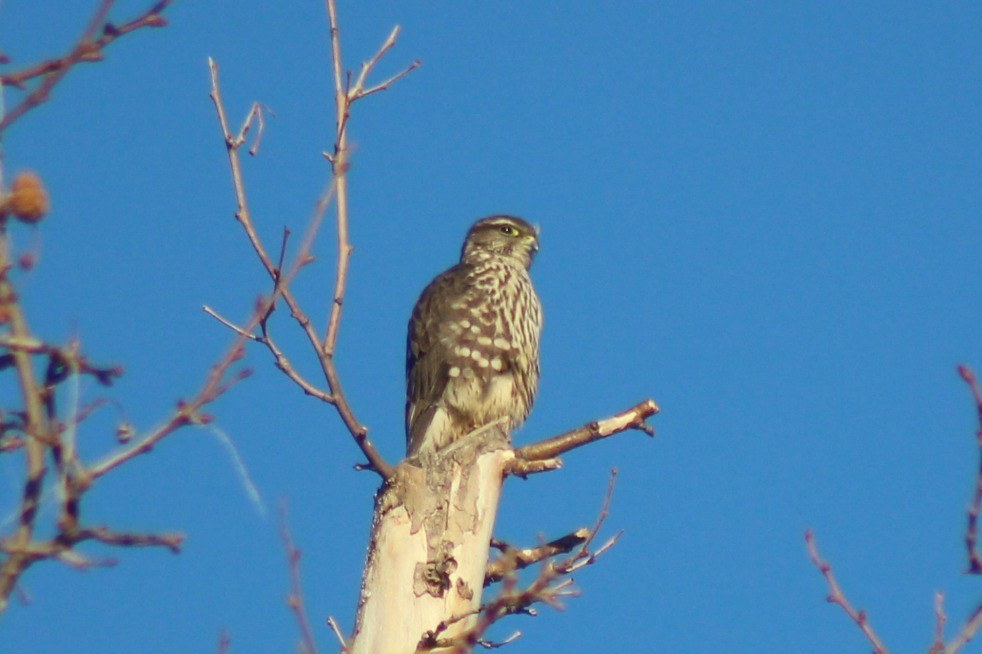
{"points": [[28, 200]]}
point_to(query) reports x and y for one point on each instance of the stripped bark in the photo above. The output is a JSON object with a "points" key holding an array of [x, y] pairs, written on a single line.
{"points": [[430, 544]]}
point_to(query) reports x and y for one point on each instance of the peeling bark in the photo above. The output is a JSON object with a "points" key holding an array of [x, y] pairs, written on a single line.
{"points": [[429, 544]]}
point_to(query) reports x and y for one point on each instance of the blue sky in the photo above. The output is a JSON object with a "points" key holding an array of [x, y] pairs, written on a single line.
{"points": [[766, 216]]}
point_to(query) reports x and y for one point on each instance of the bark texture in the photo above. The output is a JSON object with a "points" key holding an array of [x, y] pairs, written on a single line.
{"points": [[429, 544]]}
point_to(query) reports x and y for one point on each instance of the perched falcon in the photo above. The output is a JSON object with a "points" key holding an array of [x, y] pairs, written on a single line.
{"points": [[472, 355]]}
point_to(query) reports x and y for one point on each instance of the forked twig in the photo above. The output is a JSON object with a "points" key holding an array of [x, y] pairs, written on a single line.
{"points": [[38, 428], [344, 97], [544, 589], [513, 559], [543, 456], [323, 347], [88, 48], [187, 412], [358, 91], [836, 596], [72, 477], [974, 621], [334, 395]]}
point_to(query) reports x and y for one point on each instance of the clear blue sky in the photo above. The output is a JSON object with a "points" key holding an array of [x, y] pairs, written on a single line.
{"points": [[766, 216]]}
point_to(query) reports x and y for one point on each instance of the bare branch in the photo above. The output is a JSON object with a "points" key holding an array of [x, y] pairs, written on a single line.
{"points": [[235, 328], [61, 546], [36, 429], [173, 542], [367, 66], [232, 144], [333, 624], [344, 97], [633, 418], [384, 86], [604, 512], [937, 645], [545, 589], [187, 412], [283, 364], [339, 167], [224, 642], [88, 48], [335, 395], [972, 530], [487, 644], [27, 344], [522, 468], [358, 91], [966, 633], [513, 559], [283, 241], [295, 598], [40, 432], [11, 443], [974, 621], [837, 597]]}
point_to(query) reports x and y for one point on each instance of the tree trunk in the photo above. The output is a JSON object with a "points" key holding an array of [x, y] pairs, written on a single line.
{"points": [[430, 543]]}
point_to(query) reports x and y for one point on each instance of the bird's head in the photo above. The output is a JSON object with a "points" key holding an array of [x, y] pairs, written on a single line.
{"points": [[501, 236]]}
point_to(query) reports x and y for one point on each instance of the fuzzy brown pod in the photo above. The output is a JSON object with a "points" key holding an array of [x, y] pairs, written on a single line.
{"points": [[28, 201]]}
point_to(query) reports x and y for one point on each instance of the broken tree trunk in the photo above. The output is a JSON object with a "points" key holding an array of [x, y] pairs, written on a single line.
{"points": [[429, 546]]}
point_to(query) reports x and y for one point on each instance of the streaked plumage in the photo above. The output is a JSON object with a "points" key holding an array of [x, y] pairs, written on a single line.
{"points": [[472, 353]]}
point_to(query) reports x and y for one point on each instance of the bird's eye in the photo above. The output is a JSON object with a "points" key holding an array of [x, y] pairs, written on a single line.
{"points": [[508, 230]]}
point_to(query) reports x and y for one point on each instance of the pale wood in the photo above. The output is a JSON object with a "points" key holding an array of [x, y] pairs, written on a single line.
{"points": [[429, 545]]}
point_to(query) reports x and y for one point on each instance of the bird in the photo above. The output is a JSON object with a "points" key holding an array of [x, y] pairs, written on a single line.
{"points": [[472, 351]]}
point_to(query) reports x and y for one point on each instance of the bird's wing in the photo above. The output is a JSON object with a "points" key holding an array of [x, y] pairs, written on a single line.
{"points": [[429, 349]]}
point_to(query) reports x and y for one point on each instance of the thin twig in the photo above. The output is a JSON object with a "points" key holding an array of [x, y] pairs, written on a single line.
{"points": [[937, 645], [187, 412], [384, 86], [544, 589], [344, 97], [88, 48], [513, 559], [295, 598], [41, 434], [232, 144], [27, 344], [339, 168], [836, 596], [358, 91], [223, 642], [286, 237], [61, 547], [972, 530], [264, 308], [323, 349], [604, 512], [336, 628], [283, 364], [173, 542], [974, 621], [966, 633], [235, 328]]}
